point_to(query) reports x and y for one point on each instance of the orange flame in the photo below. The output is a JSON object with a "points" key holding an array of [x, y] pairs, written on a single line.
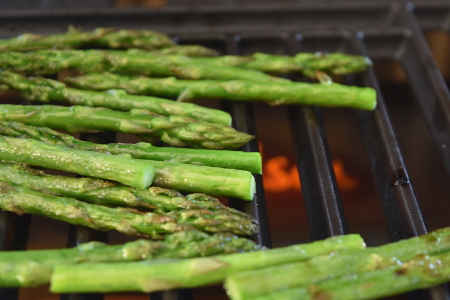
{"points": [[280, 175]]}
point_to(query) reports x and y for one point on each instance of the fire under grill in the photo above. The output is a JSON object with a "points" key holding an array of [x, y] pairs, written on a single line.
{"points": [[399, 153]]}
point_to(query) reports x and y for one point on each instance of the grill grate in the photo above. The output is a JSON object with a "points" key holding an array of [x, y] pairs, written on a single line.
{"points": [[383, 31]]}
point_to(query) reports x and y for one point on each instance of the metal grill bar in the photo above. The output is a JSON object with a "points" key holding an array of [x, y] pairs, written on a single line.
{"points": [[402, 211], [320, 192]]}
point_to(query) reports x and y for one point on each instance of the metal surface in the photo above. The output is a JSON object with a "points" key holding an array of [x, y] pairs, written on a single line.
{"points": [[384, 31]]}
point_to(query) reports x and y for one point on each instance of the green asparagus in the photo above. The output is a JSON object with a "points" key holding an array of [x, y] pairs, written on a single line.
{"points": [[148, 277], [306, 63], [176, 131], [100, 37], [125, 38], [132, 172], [44, 62], [239, 160], [107, 193], [34, 267], [252, 284], [46, 90], [186, 50], [421, 272], [309, 63], [217, 182], [71, 39], [324, 94], [125, 220]]}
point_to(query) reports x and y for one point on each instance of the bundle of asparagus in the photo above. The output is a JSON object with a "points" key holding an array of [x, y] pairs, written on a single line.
{"points": [[349, 271], [147, 277], [33, 268], [133, 172], [307, 63], [108, 193], [22, 200], [239, 160], [44, 62], [178, 131], [46, 90]]}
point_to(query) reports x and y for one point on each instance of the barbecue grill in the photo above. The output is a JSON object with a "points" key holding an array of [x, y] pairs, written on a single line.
{"points": [[400, 153]]}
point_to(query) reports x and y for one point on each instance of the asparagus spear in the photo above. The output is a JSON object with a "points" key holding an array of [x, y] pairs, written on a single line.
{"points": [[186, 50], [306, 63], [252, 284], [309, 63], [46, 90], [136, 173], [149, 277], [73, 38], [128, 221], [420, 272], [177, 131], [44, 62], [34, 267], [329, 94], [239, 160], [125, 38]]}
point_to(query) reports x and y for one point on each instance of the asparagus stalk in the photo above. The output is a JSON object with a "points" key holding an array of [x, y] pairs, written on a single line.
{"points": [[306, 63], [420, 272], [136, 173], [128, 221], [185, 50], [100, 37], [46, 90], [309, 63], [71, 39], [253, 284], [44, 62], [324, 94], [34, 267], [125, 38], [177, 131], [148, 277], [239, 160]]}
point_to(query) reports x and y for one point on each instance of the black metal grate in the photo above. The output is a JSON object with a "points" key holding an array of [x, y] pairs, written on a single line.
{"points": [[384, 32]]}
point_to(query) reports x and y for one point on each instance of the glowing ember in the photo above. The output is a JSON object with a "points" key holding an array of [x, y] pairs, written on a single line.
{"points": [[281, 175]]}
